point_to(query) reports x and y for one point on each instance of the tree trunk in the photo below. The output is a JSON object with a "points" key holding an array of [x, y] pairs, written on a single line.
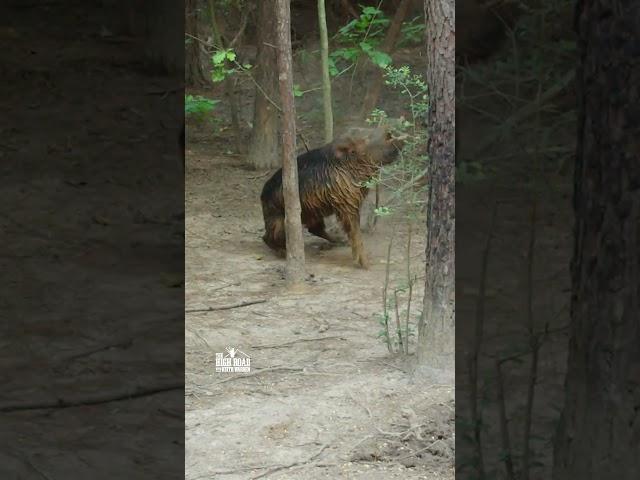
{"points": [[326, 79], [388, 45], [295, 272], [193, 62], [264, 149], [436, 331], [599, 432], [165, 36]]}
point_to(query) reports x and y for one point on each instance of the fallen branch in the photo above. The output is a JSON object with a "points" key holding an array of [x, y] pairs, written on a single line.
{"points": [[97, 399], [259, 176], [415, 454], [124, 345], [234, 284], [294, 464], [258, 372], [224, 307], [300, 340]]}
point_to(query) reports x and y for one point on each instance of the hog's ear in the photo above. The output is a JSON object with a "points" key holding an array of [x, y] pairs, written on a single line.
{"points": [[343, 149]]}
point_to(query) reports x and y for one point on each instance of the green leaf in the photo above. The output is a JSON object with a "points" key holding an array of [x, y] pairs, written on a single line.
{"points": [[379, 58], [366, 47], [344, 30], [382, 211], [231, 55], [219, 57], [217, 75], [370, 11], [345, 53], [333, 70]]}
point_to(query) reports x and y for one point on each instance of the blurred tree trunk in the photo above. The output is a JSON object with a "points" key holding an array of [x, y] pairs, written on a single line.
{"points": [[194, 72], [295, 272], [165, 36], [229, 82], [599, 433], [436, 330], [326, 79], [390, 40], [264, 148]]}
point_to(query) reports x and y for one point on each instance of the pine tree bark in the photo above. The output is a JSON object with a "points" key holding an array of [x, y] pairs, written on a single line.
{"points": [[295, 271], [436, 330], [599, 433], [264, 148]]}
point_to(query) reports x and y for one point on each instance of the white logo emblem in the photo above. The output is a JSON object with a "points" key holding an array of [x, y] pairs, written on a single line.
{"points": [[234, 361]]}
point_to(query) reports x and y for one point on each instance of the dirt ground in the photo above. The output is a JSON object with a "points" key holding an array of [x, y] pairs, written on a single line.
{"points": [[324, 395]]}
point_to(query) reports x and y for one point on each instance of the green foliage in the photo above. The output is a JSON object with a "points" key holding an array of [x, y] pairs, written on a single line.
{"points": [[224, 63], [360, 38], [412, 32], [371, 23], [412, 86], [198, 107], [468, 172], [402, 176], [407, 194], [538, 54]]}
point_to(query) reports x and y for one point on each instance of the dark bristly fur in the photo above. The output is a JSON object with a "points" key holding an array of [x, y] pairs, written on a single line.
{"points": [[329, 180]]}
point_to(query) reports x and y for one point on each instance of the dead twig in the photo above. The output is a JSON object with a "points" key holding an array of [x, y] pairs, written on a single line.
{"points": [[385, 290], [224, 307], [525, 112], [234, 284], [124, 344], [258, 372], [504, 425], [474, 358], [398, 327], [304, 140], [300, 340], [260, 175], [360, 442], [414, 454], [410, 294], [534, 344], [294, 464], [393, 366], [243, 25], [361, 405]]}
